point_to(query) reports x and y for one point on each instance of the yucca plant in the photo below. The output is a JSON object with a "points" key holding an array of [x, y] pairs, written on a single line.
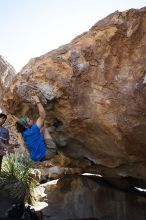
{"points": [[16, 178]]}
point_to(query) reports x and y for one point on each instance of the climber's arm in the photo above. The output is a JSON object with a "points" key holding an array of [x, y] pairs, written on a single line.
{"points": [[42, 113]]}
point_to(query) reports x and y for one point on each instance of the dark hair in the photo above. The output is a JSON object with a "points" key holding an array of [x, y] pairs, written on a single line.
{"points": [[20, 128], [2, 115]]}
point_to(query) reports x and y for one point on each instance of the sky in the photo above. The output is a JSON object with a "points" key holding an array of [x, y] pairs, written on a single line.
{"points": [[31, 28]]}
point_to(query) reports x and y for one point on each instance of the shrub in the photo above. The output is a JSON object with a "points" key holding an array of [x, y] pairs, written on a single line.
{"points": [[16, 179]]}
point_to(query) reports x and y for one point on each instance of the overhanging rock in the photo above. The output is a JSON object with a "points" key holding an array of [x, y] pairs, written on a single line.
{"points": [[94, 90]]}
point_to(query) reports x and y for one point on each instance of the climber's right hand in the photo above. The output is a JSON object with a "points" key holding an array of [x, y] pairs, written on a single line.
{"points": [[35, 99]]}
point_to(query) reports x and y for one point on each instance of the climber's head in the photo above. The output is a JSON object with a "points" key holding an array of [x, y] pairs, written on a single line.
{"points": [[23, 123]]}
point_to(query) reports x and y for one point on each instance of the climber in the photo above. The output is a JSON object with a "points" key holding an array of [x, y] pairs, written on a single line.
{"points": [[37, 138], [4, 137]]}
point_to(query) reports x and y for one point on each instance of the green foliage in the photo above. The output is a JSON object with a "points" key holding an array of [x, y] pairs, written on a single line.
{"points": [[16, 178]]}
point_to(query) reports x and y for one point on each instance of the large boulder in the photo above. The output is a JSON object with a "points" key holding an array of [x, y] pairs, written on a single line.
{"points": [[81, 197], [94, 93]]}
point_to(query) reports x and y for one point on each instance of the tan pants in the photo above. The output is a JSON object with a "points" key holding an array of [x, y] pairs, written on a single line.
{"points": [[50, 149]]}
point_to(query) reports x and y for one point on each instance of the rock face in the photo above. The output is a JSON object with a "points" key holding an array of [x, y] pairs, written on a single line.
{"points": [[94, 93], [7, 72], [79, 197]]}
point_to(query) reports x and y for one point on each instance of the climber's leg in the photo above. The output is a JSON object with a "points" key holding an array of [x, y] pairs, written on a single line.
{"points": [[51, 149]]}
